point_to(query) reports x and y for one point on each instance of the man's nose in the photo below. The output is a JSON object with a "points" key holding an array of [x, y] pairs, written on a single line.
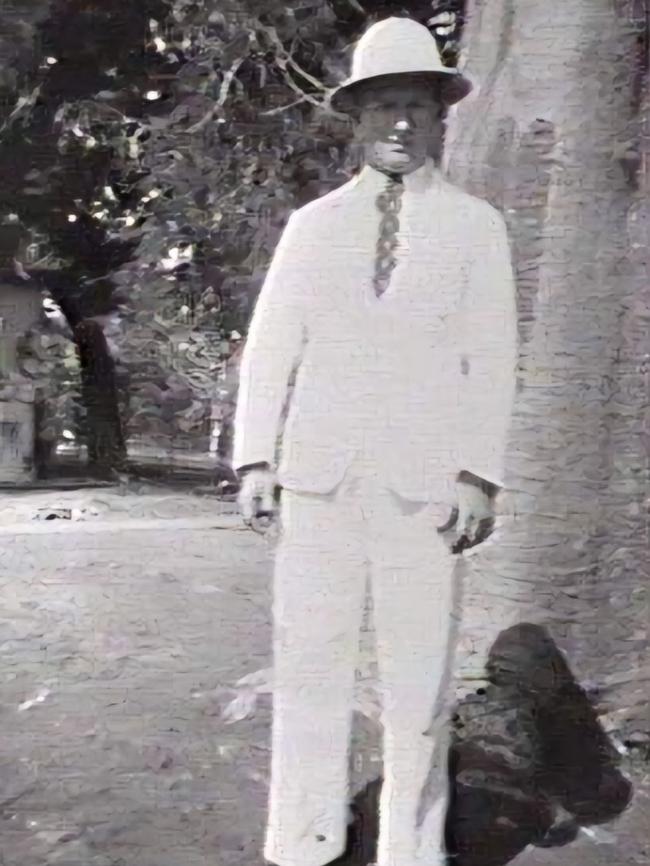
{"points": [[403, 125]]}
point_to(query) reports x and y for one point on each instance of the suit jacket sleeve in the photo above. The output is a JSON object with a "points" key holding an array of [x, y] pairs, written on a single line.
{"points": [[490, 350], [273, 347]]}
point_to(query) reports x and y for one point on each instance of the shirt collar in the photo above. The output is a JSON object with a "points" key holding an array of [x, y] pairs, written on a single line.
{"points": [[417, 181]]}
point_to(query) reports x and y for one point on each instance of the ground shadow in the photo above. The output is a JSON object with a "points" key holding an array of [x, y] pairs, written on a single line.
{"points": [[529, 762]]}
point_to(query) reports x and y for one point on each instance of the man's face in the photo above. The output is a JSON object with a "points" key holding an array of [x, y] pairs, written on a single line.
{"points": [[400, 124]]}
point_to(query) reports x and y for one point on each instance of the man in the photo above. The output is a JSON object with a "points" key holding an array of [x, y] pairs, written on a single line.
{"points": [[393, 298]]}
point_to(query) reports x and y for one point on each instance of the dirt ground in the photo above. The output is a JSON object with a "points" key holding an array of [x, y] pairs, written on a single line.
{"points": [[122, 633]]}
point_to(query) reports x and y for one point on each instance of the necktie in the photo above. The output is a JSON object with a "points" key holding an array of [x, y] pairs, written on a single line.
{"points": [[389, 202]]}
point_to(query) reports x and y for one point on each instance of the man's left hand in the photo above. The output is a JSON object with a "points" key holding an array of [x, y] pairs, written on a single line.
{"points": [[476, 515]]}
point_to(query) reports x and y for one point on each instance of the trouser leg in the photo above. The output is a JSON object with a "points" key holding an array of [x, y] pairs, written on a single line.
{"points": [[319, 585], [413, 601]]}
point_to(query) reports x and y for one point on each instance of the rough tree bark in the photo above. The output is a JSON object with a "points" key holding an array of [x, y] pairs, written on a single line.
{"points": [[103, 426], [556, 135], [103, 433]]}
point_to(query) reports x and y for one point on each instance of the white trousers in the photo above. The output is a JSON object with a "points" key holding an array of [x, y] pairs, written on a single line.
{"points": [[329, 546]]}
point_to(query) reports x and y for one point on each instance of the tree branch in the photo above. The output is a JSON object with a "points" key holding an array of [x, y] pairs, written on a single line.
{"points": [[285, 58]]}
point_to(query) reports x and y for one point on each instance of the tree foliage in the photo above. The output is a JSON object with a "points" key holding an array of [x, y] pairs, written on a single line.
{"points": [[159, 147]]}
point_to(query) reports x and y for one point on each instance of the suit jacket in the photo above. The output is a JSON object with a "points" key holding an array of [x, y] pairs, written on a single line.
{"points": [[421, 380]]}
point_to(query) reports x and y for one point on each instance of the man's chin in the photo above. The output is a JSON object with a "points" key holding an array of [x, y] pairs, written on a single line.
{"points": [[399, 161]]}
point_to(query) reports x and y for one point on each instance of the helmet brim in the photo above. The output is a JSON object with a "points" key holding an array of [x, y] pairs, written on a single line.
{"points": [[449, 85]]}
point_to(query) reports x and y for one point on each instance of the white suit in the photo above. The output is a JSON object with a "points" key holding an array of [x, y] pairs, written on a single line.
{"points": [[393, 396]]}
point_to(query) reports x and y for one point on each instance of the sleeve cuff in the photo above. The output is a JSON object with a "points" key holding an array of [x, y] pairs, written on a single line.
{"points": [[248, 467], [488, 484]]}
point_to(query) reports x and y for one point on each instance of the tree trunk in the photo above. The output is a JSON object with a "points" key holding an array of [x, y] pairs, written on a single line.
{"points": [[103, 427], [555, 136]]}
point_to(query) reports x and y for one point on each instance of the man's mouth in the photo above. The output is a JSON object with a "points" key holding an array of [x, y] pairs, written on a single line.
{"points": [[398, 143]]}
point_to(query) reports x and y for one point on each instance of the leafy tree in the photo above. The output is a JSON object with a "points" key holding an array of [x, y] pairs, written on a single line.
{"points": [[159, 149], [52, 164]]}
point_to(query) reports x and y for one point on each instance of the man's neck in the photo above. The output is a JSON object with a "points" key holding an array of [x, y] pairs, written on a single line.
{"points": [[417, 180]]}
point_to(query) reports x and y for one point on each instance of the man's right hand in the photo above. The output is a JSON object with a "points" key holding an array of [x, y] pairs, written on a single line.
{"points": [[257, 497]]}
